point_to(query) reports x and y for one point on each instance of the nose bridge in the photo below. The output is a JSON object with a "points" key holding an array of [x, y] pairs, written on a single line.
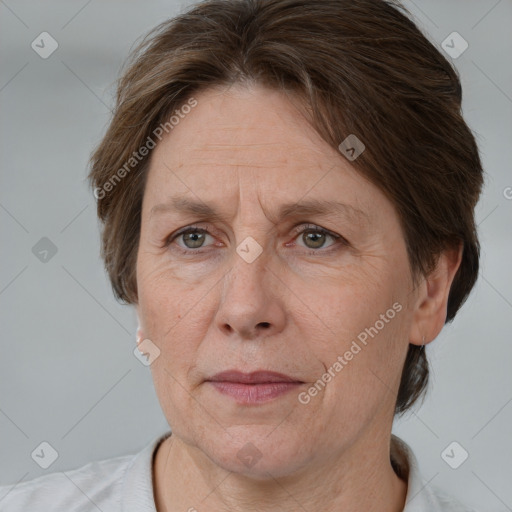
{"points": [[248, 277], [249, 303]]}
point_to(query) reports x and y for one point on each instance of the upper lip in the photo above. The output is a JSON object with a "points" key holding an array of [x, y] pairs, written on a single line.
{"points": [[257, 377]]}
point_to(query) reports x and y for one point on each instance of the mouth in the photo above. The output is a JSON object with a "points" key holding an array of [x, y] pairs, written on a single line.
{"points": [[255, 387]]}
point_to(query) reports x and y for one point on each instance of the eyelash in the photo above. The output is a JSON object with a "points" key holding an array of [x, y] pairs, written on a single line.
{"points": [[339, 240]]}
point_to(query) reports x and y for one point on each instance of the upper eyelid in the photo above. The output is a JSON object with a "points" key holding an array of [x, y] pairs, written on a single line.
{"points": [[303, 225]]}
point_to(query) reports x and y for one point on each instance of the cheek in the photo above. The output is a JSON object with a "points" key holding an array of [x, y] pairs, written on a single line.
{"points": [[164, 320], [176, 315], [343, 308], [167, 300], [170, 320], [362, 346]]}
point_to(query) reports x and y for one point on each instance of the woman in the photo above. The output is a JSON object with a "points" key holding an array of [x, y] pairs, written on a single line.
{"points": [[287, 190]]}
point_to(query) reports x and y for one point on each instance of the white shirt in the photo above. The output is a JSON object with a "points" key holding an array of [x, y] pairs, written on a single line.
{"points": [[125, 484]]}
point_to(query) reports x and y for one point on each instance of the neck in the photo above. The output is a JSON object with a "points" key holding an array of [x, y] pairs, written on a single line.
{"points": [[362, 478]]}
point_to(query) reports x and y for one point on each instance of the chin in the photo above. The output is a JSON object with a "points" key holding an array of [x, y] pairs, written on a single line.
{"points": [[252, 454]]}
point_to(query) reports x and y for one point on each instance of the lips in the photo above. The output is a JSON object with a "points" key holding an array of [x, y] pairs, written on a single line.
{"points": [[255, 388], [257, 377]]}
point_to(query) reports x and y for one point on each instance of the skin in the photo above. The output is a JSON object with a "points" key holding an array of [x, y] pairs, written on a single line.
{"points": [[248, 150]]}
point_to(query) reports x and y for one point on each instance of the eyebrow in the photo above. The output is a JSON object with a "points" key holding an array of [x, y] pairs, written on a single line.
{"points": [[310, 207]]}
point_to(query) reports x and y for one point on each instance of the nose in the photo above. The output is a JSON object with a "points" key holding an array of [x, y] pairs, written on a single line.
{"points": [[251, 301]]}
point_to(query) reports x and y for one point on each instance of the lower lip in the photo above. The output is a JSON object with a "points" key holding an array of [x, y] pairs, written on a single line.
{"points": [[254, 393]]}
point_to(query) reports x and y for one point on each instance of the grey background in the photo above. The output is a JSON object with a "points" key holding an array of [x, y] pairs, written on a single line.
{"points": [[68, 375]]}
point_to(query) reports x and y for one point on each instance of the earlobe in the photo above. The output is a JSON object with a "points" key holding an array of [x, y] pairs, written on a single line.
{"points": [[139, 334], [431, 309]]}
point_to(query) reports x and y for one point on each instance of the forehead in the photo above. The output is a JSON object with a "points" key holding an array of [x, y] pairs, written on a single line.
{"points": [[251, 143], [243, 125]]}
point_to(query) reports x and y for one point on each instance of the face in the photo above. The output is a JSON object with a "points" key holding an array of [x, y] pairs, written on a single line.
{"points": [[298, 266]]}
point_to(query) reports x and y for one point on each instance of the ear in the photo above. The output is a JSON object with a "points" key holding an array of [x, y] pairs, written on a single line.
{"points": [[432, 298]]}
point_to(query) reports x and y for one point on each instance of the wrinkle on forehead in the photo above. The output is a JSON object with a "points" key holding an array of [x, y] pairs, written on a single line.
{"points": [[272, 154]]}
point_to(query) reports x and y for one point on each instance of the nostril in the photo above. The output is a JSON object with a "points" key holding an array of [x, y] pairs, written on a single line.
{"points": [[264, 324]]}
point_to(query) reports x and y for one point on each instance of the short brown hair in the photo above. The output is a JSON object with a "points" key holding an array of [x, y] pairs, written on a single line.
{"points": [[362, 67]]}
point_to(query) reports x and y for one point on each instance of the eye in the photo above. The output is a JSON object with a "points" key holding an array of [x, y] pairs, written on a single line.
{"points": [[314, 237], [192, 237]]}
